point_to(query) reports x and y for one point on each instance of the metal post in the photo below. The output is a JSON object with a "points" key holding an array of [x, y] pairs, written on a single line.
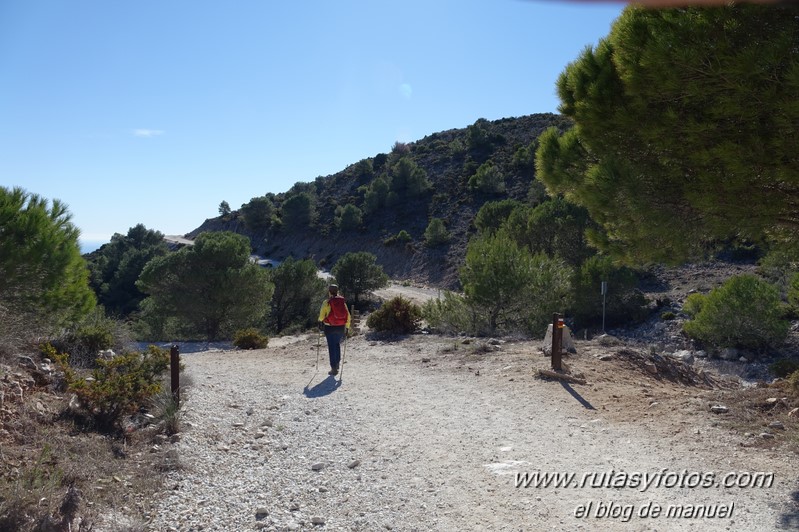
{"points": [[174, 365], [604, 295], [557, 341]]}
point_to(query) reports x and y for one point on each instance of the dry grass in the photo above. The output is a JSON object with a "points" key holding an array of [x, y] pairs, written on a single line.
{"points": [[55, 473], [763, 409]]}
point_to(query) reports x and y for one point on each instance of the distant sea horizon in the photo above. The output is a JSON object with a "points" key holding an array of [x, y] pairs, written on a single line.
{"points": [[87, 246]]}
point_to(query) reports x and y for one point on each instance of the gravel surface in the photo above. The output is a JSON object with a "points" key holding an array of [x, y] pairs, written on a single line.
{"points": [[428, 433]]}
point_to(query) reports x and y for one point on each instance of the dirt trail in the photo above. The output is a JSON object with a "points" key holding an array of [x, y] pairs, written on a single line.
{"points": [[437, 431], [417, 294]]}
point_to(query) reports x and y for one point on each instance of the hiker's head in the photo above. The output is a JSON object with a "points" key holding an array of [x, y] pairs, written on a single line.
{"points": [[333, 290]]}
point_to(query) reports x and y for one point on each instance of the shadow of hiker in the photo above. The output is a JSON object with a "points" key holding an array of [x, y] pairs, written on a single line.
{"points": [[577, 396], [789, 519], [326, 387]]}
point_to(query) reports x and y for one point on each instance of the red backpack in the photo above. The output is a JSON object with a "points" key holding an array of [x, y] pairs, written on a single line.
{"points": [[338, 311]]}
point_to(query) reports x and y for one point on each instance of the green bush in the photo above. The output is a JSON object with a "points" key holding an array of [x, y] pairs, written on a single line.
{"points": [[250, 339], [693, 304], [793, 380], [493, 214], [783, 368], [488, 179], [744, 312], [793, 294], [87, 338], [118, 386], [451, 315], [667, 316], [403, 237], [396, 316], [510, 289], [436, 233], [348, 217]]}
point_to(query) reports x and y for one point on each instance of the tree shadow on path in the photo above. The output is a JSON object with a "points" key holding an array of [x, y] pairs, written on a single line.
{"points": [[580, 398], [326, 387]]}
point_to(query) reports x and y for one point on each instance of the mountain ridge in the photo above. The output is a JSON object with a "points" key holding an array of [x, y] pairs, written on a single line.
{"points": [[449, 160]]}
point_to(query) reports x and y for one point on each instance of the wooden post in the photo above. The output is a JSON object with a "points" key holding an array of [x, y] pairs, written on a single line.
{"points": [[557, 341], [174, 365], [355, 320]]}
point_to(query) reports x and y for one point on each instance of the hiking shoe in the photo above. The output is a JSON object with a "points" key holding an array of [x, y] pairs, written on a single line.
{"points": [[333, 371]]}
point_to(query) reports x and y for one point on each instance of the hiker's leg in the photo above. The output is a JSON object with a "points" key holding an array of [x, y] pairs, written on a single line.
{"points": [[335, 349]]}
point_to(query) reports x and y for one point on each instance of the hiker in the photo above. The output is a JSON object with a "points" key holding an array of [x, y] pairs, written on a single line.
{"points": [[334, 320]]}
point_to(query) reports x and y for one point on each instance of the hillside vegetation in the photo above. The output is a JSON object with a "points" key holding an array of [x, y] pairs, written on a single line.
{"points": [[450, 186]]}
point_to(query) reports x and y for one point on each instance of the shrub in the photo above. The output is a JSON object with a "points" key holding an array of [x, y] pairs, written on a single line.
{"points": [[793, 380], [667, 316], [743, 312], [693, 304], [403, 237], [780, 265], [487, 179], [793, 294], [451, 315], [86, 339], [348, 217], [396, 316], [401, 148], [250, 339], [510, 289], [167, 409], [118, 386], [493, 214], [436, 233], [408, 179], [783, 368]]}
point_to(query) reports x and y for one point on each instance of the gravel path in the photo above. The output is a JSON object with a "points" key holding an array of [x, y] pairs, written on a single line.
{"points": [[423, 435]]}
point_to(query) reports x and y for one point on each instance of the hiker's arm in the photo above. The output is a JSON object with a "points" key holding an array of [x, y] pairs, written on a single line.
{"points": [[324, 311]]}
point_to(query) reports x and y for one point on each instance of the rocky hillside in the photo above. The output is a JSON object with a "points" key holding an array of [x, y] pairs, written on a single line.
{"points": [[449, 159]]}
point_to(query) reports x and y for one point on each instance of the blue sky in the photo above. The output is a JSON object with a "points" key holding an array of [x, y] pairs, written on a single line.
{"points": [[154, 112]]}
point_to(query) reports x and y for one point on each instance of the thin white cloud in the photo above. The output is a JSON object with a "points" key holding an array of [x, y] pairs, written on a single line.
{"points": [[147, 133]]}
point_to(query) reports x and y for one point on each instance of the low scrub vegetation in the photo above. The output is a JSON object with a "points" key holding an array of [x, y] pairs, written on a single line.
{"points": [[250, 339], [396, 316], [745, 312], [784, 367], [117, 387], [85, 339]]}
